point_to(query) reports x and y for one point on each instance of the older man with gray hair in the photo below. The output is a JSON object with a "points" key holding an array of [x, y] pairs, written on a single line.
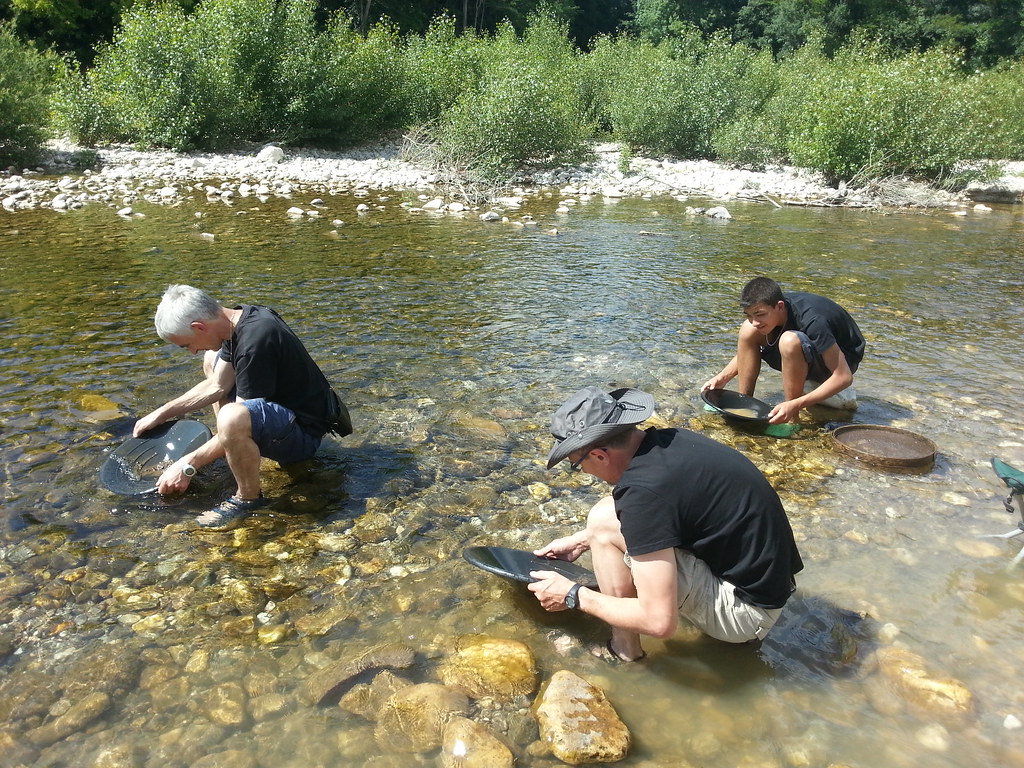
{"points": [[692, 529], [269, 397]]}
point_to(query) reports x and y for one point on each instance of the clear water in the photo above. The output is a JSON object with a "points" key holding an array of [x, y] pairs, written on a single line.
{"points": [[452, 341]]}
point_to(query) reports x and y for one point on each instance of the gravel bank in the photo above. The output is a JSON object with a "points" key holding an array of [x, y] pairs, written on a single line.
{"points": [[120, 176]]}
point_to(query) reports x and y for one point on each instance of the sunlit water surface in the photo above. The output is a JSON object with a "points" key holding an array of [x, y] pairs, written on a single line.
{"points": [[452, 340]]}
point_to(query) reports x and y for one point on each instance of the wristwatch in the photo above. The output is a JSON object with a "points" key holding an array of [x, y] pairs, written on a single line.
{"points": [[188, 470], [571, 597]]}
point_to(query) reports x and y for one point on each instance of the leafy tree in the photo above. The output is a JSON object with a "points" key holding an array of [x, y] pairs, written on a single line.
{"points": [[25, 84]]}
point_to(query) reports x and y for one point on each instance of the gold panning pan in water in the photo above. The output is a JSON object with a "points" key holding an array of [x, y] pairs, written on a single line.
{"points": [[886, 447]]}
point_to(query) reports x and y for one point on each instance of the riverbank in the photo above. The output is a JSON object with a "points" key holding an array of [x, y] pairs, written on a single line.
{"points": [[119, 176]]}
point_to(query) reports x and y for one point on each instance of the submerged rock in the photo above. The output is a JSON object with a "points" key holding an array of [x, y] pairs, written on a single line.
{"points": [[74, 720], [490, 666], [413, 720], [908, 674], [326, 682], [466, 744], [578, 723]]}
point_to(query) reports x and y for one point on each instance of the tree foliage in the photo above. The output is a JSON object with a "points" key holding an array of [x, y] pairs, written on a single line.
{"points": [[26, 79]]}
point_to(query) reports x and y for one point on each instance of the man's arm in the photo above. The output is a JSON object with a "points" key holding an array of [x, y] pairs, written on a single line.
{"points": [[724, 376], [841, 378], [654, 611], [210, 390]]}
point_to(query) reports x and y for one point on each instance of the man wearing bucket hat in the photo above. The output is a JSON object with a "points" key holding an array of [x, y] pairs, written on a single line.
{"points": [[692, 528]]}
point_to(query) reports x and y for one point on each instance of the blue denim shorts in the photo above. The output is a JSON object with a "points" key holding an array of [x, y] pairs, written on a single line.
{"points": [[278, 434]]}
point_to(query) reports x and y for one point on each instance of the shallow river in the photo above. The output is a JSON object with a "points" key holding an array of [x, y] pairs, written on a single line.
{"points": [[452, 340]]}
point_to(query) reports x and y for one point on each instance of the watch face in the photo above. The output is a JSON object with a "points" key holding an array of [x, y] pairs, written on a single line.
{"points": [[570, 597], [188, 470]]}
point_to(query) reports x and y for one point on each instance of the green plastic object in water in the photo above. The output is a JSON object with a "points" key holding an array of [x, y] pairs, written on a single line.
{"points": [[1013, 478]]}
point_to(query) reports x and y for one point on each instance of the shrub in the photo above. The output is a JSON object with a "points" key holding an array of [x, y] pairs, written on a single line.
{"points": [[26, 80], [524, 109], [439, 67], [1000, 117], [357, 92], [867, 115], [147, 86], [674, 96]]}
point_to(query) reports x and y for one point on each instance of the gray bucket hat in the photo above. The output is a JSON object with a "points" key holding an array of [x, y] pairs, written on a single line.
{"points": [[591, 415]]}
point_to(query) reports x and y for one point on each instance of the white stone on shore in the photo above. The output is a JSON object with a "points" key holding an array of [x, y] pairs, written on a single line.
{"points": [[433, 205], [490, 216], [125, 212], [270, 154], [612, 192], [295, 212]]}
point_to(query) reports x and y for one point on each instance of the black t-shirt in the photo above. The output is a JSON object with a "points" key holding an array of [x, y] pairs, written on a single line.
{"points": [[825, 323], [270, 362], [684, 490]]}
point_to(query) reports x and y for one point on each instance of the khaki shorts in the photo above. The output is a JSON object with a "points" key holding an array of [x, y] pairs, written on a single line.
{"points": [[711, 604]]}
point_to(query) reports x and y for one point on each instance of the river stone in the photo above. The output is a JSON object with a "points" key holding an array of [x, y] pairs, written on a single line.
{"points": [[908, 674], [270, 154], [327, 681], [491, 666], [466, 744], [578, 722], [226, 705], [231, 758], [413, 720], [366, 699], [119, 756], [267, 705], [74, 720]]}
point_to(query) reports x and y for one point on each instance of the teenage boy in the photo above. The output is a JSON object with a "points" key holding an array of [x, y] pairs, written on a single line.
{"points": [[811, 339]]}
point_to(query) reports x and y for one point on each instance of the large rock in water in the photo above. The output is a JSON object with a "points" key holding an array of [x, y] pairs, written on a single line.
{"points": [[467, 744], [491, 666], [414, 719], [578, 723], [908, 674]]}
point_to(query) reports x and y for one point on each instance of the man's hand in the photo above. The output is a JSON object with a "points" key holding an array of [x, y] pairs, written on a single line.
{"points": [[173, 481], [550, 589], [787, 411], [146, 423], [716, 382], [566, 548]]}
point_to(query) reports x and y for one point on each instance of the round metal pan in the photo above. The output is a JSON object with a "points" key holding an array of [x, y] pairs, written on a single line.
{"points": [[887, 447]]}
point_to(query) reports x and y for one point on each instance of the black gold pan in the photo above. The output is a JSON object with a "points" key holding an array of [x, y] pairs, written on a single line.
{"points": [[517, 563], [733, 405], [133, 467]]}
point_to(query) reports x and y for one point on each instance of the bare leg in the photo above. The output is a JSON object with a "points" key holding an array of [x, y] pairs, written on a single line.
{"points": [[748, 358], [613, 575], [794, 365], [234, 429]]}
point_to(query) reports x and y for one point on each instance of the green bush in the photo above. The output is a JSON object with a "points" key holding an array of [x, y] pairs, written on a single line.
{"points": [[439, 67], [357, 92], [525, 108], [674, 96], [870, 116], [1000, 118], [147, 86], [26, 80]]}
